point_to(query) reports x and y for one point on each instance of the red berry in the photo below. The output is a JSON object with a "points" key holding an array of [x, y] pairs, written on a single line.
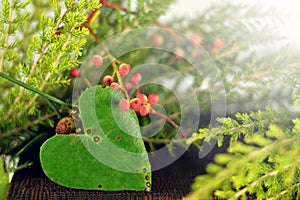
{"points": [[124, 104], [136, 78], [124, 69], [75, 72], [143, 98], [97, 60], [135, 104], [57, 33], [218, 44], [144, 110], [157, 40], [108, 80], [115, 86], [180, 53], [196, 39], [128, 86], [153, 99]]}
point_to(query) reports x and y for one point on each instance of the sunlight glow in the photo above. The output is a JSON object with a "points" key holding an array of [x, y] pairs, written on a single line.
{"points": [[289, 14]]}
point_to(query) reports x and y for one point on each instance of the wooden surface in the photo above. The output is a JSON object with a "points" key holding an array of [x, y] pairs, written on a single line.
{"points": [[171, 182]]}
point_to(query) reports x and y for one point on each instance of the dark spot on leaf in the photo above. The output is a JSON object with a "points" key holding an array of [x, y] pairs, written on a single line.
{"points": [[147, 178], [119, 137], [99, 186], [144, 170], [96, 139], [89, 131], [148, 184]]}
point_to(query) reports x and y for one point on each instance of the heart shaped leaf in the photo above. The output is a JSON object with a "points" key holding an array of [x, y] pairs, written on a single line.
{"points": [[110, 155]]}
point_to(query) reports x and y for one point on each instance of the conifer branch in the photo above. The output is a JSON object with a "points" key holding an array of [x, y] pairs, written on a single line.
{"points": [[33, 69], [6, 35]]}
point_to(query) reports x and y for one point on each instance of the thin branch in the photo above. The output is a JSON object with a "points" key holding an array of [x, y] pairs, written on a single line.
{"points": [[115, 6], [285, 191], [26, 126], [164, 117]]}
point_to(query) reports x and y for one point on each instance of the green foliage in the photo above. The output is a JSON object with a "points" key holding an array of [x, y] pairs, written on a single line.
{"points": [[34, 52], [4, 181], [261, 161], [92, 157], [41, 46]]}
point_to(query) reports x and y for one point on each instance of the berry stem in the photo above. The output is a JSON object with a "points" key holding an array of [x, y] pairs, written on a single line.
{"points": [[115, 6], [164, 117], [113, 60], [164, 141], [137, 89], [89, 18], [86, 81]]}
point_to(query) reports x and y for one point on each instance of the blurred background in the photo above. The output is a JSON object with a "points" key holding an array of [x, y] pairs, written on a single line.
{"points": [[290, 10]]}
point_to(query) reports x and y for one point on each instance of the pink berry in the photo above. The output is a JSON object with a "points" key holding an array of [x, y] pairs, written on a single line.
{"points": [[157, 40], [183, 133], [108, 80], [97, 60], [196, 39], [135, 104], [153, 99], [115, 86], [196, 54], [180, 53], [136, 78], [124, 69], [124, 104], [75, 72], [218, 44], [143, 98], [144, 110], [128, 86]]}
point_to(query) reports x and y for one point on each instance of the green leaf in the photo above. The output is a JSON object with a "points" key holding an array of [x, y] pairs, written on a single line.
{"points": [[110, 155], [4, 178]]}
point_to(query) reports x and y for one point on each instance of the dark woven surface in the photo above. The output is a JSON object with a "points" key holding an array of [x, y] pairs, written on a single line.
{"points": [[171, 182]]}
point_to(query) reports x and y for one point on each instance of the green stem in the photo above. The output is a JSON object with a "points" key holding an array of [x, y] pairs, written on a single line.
{"points": [[30, 144], [24, 85]]}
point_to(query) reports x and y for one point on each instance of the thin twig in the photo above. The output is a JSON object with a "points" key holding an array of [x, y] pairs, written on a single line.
{"points": [[29, 124], [164, 117]]}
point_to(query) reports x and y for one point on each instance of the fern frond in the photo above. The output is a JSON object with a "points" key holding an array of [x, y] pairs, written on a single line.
{"points": [[261, 162]]}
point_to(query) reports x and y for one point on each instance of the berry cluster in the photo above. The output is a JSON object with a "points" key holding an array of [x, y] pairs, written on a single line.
{"points": [[141, 103]]}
